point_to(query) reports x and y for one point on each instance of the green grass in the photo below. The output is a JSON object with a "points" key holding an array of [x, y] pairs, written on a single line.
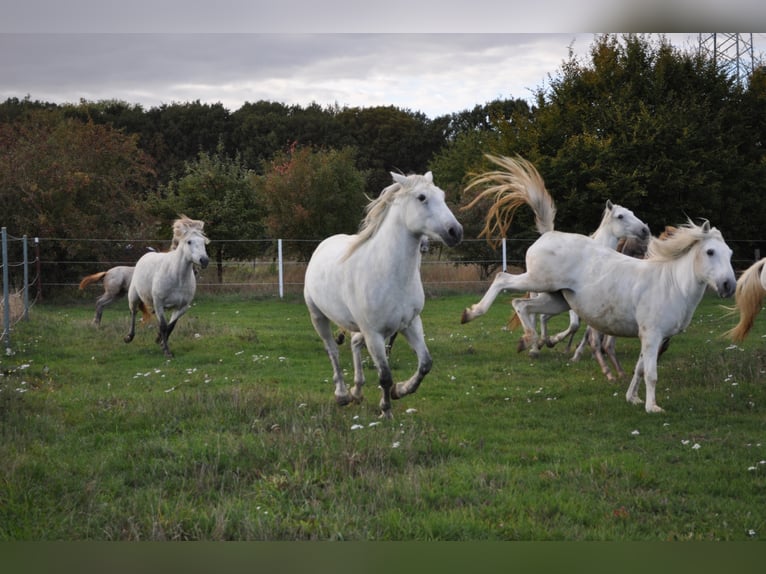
{"points": [[238, 437]]}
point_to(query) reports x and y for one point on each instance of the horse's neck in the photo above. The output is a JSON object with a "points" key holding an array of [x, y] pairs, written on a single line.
{"points": [[604, 236], [179, 264], [680, 274], [394, 250]]}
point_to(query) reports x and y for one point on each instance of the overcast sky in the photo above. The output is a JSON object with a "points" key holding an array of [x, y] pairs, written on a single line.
{"points": [[433, 56]]}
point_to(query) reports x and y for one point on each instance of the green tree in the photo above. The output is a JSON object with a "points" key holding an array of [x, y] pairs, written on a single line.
{"points": [[221, 192], [71, 180], [312, 194]]}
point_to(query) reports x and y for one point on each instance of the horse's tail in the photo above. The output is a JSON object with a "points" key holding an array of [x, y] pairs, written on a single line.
{"points": [[146, 312], [516, 184], [91, 279], [748, 299]]}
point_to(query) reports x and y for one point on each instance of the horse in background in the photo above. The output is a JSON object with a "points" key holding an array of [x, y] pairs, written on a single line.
{"points": [[166, 280], [116, 283], [748, 300], [652, 298], [116, 280], [369, 284]]}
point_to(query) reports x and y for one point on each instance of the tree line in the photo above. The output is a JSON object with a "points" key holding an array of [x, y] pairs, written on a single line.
{"points": [[660, 130]]}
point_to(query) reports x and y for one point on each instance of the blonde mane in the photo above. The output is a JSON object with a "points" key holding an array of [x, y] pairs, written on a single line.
{"points": [[680, 241], [376, 212], [184, 225]]}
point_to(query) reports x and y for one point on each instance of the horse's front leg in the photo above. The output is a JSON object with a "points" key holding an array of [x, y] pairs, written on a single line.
{"points": [[646, 366], [357, 344], [416, 338], [376, 347]]}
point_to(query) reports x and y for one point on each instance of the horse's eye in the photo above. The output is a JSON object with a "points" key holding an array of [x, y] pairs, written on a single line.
{"points": [[710, 252], [621, 216], [422, 198]]}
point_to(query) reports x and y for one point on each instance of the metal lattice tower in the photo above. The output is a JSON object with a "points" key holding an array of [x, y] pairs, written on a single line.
{"points": [[731, 52]]}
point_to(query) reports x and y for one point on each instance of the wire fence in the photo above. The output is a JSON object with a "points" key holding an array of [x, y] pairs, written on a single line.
{"points": [[36, 269]]}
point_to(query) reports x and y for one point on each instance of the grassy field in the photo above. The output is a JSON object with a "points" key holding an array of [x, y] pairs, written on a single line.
{"points": [[238, 436]]}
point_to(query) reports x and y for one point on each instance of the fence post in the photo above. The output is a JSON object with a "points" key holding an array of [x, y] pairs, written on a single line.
{"points": [[26, 277], [6, 298], [281, 274], [39, 271], [505, 261]]}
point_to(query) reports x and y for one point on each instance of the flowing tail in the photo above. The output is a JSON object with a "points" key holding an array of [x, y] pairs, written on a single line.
{"points": [[748, 300], [517, 184], [92, 279]]}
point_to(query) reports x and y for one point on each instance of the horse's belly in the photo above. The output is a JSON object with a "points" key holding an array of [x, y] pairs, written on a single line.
{"points": [[604, 315]]}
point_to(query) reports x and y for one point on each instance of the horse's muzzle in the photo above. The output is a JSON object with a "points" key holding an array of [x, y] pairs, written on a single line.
{"points": [[727, 287], [203, 262], [453, 236]]}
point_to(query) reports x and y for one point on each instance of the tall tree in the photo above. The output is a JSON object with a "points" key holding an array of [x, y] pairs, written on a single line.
{"points": [[73, 180], [220, 191], [312, 194]]}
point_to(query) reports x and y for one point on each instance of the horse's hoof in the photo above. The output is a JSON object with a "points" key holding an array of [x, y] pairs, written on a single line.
{"points": [[386, 415], [343, 400], [654, 409], [522, 345], [128, 338]]}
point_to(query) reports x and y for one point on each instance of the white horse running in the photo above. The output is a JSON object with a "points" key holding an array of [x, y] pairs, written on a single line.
{"points": [[164, 281], [369, 283], [617, 222], [652, 299]]}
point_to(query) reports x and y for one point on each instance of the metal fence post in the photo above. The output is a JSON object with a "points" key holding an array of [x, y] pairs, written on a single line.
{"points": [[6, 298]]}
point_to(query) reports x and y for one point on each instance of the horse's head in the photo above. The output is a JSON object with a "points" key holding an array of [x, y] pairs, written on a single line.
{"points": [[425, 210], [622, 222], [712, 261], [192, 243], [705, 245]]}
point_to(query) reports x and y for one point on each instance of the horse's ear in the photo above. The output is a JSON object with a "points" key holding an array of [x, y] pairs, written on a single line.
{"points": [[609, 204], [705, 226], [398, 178], [429, 177]]}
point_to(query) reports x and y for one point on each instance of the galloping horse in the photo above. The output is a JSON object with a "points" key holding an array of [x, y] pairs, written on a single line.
{"points": [[116, 284], [617, 223], [369, 284], [751, 289], [652, 299], [164, 281]]}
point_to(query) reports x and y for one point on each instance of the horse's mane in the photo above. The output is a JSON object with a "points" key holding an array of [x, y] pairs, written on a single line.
{"points": [[677, 241], [376, 211], [185, 225]]}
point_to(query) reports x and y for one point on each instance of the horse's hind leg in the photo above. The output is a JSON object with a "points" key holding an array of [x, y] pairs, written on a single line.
{"points": [[520, 283], [574, 325], [526, 309], [610, 348], [324, 330], [132, 331]]}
